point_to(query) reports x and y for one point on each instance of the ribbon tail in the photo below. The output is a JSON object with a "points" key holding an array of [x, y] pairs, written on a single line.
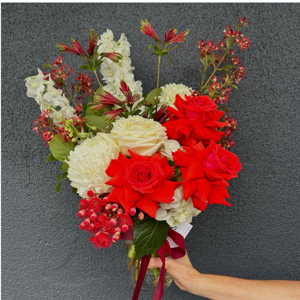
{"points": [[159, 291], [143, 269]]}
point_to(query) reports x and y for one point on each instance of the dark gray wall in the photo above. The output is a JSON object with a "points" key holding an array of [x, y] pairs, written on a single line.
{"points": [[44, 254]]}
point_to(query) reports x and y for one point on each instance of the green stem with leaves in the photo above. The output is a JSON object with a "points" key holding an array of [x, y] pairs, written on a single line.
{"points": [[157, 85], [215, 69], [69, 93], [97, 78]]}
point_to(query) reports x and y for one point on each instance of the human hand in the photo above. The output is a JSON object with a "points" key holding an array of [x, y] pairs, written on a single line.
{"points": [[181, 270]]}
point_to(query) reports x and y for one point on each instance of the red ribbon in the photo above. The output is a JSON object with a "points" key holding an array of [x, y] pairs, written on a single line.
{"points": [[177, 252]]}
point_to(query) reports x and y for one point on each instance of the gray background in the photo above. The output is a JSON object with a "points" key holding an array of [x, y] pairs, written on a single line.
{"points": [[46, 256]]}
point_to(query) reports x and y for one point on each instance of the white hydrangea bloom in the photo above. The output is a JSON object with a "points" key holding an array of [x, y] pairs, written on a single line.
{"points": [[88, 162], [178, 211], [112, 72], [142, 136], [35, 85], [169, 91]]}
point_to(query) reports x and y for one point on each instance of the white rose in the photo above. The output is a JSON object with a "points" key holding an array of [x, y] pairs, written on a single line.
{"points": [[140, 135]]}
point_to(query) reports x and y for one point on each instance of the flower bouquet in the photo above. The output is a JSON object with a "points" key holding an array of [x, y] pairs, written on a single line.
{"points": [[142, 164]]}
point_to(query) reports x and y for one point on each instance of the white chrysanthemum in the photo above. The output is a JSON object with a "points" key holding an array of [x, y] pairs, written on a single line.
{"points": [[35, 85], [178, 211], [169, 91], [140, 135], [88, 162], [112, 72]]}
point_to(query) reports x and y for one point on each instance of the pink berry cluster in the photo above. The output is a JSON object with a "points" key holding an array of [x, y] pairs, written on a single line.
{"points": [[105, 220]]}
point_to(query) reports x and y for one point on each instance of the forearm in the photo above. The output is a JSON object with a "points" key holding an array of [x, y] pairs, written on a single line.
{"points": [[218, 287]]}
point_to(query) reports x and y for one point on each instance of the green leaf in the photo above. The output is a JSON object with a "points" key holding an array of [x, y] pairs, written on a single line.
{"points": [[85, 67], [148, 236], [171, 61], [227, 67], [74, 190], [149, 47], [50, 158], [46, 66], [57, 188], [65, 167], [60, 149], [152, 95], [98, 122]]}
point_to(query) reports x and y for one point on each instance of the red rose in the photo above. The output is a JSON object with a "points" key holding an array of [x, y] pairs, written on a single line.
{"points": [[205, 172], [141, 182], [196, 119]]}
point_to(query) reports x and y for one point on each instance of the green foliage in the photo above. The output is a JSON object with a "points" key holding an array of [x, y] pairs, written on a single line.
{"points": [[59, 178], [60, 150], [50, 158], [98, 122], [148, 236], [151, 97]]}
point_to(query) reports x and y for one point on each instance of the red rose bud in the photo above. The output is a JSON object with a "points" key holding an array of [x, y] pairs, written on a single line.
{"points": [[97, 225], [115, 238], [84, 203], [93, 217], [82, 226], [141, 216], [120, 211], [173, 37], [101, 218], [81, 213], [112, 222], [90, 193], [108, 206], [125, 228], [147, 29], [117, 230], [86, 222], [132, 211], [93, 39], [113, 56], [115, 206], [90, 228], [90, 212]]}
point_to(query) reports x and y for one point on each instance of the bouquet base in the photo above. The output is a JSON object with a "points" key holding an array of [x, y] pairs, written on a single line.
{"points": [[151, 276]]}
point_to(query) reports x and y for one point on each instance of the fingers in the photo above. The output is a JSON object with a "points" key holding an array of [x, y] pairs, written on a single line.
{"points": [[155, 263]]}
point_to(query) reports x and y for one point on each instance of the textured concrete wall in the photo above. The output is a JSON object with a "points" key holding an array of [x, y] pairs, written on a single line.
{"points": [[44, 254]]}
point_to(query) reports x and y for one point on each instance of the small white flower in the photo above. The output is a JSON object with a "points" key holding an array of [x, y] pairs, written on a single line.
{"points": [[54, 96], [113, 73], [66, 112], [140, 135], [178, 211], [169, 92], [35, 85], [88, 162]]}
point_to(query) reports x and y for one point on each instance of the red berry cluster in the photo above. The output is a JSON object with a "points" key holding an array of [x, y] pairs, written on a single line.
{"points": [[84, 85], [105, 220]]}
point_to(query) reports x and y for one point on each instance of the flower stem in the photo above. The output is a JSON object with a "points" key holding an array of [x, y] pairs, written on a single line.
{"points": [[97, 78], [69, 93], [157, 86], [137, 269], [215, 68]]}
